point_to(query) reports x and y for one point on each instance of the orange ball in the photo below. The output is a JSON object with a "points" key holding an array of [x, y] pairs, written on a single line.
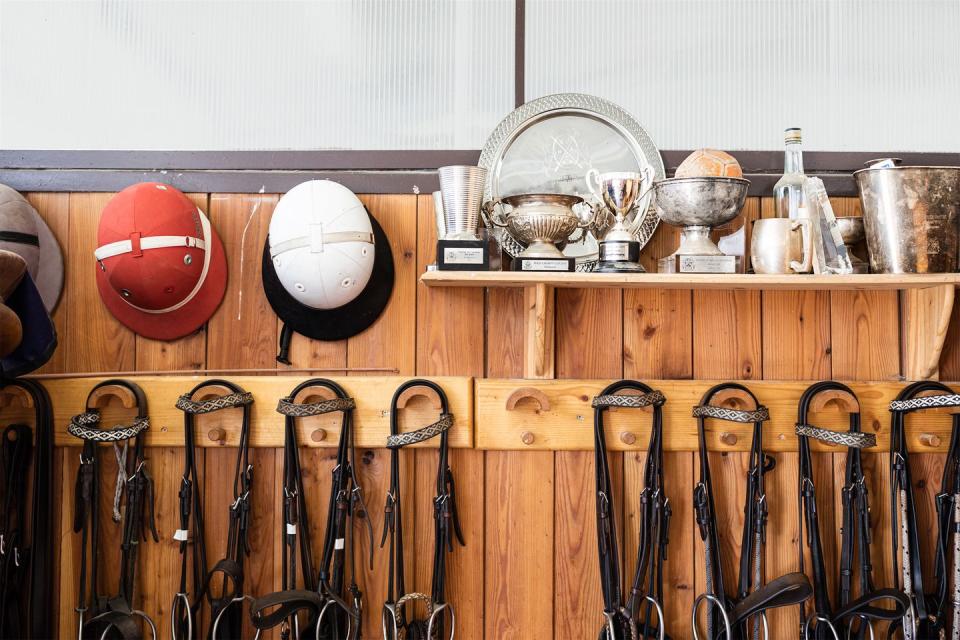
{"points": [[711, 163]]}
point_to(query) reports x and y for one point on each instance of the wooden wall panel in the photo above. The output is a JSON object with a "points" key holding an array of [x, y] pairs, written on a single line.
{"points": [[529, 569]]}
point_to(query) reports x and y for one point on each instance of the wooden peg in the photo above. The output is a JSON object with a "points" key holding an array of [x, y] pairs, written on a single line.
{"points": [[931, 440], [628, 437], [734, 399], [527, 438], [844, 400], [101, 397], [538, 396], [218, 435], [13, 392], [318, 435], [729, 439], [212, 391], [423, 392]]}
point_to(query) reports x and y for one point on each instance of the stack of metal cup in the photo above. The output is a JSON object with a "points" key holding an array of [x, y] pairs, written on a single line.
{"points": [[461, 189]]}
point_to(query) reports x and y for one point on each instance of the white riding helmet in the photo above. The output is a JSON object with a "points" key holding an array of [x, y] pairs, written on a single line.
{"points": [[327, 265]]}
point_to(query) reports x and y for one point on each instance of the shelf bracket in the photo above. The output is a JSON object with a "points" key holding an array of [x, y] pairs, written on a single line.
{"points": [[926, 317], [539, 334]]}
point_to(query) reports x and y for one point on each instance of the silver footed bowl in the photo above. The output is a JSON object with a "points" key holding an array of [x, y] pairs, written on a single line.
{"points": [[700, 202], [540, 220]]}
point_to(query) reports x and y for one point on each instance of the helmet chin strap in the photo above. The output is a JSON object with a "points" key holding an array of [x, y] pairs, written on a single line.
{"points": [[162, 242]]}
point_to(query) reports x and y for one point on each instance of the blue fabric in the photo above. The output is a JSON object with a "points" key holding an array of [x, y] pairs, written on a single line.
{"points": [[39, 335]]}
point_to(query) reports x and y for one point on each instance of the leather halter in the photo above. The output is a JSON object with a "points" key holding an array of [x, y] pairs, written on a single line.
{"points": [[101, 616], [333, 612], [730, 617], [853, 614], [927, 616], [635, 618], [226, 618], [26, 570], [396, 625]]}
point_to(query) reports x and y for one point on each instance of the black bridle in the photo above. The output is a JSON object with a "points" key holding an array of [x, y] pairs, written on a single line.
{"points": [[731, 616], [26, 569], [101, 616], [635, 618], [226, 618], [928, 614], [853, 614], [333, 610], [395, 623]]}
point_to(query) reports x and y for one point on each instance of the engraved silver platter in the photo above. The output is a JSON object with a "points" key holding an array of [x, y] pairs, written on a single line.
{"points": [[549, 144]]}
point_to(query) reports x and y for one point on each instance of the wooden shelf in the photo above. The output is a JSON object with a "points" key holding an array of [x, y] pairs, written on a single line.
{"points": [[737, 281], [927, 303]]}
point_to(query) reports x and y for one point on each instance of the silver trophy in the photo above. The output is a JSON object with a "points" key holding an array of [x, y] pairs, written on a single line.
{"points": [[697, 205], [620, 194], [459, 245]]}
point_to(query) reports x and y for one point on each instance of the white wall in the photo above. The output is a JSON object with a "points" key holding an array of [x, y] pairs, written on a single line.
{"points": [[420, 74]]}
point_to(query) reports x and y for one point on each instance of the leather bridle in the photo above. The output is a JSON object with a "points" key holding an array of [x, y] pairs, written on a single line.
{"points": [[927, 616], [226, 617], [102, 616], [635, 618], [26, 570], [853, 615], [333, 611], [395, 622], [731, 617]]}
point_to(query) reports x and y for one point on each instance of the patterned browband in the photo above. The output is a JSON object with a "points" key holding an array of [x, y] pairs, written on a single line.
{"points": [[926, 402], [295, 410], [420, 435], [633, 401], [851, 439], [760, 414], [184, 403], [84, 426]]}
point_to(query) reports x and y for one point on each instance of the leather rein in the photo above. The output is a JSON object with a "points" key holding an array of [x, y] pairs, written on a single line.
{"points": [[101, 616], [226, 618], [853, 616], [927, 615], [731, 617], [634, 618], [396, 624]]}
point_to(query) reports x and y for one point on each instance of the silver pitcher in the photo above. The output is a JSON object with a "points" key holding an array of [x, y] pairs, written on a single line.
{"points": [[911, 216]]}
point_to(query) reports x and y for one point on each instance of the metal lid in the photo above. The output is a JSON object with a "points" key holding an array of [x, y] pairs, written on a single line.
{"points": [[792, 135]]}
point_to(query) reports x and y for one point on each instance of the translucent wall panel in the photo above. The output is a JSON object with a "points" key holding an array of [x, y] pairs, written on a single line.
{"points": [[862, 75], [264, 74]]}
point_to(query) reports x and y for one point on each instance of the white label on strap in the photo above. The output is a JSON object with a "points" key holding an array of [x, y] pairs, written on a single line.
{"points": [[338, 544], [181, 535], [291, 529]]}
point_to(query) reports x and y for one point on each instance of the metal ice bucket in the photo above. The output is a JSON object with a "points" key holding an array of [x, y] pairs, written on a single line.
{"points": [[912, 218]]}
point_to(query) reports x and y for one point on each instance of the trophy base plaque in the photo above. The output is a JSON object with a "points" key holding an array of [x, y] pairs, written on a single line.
{"points": [[699, 264], [463, 255], [619, 256], [543, 264]]}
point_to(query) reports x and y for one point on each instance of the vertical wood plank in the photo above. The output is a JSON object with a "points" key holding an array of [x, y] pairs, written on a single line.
{"points": [[54, 208], [450, 331], [243, 223], [589, 338]]}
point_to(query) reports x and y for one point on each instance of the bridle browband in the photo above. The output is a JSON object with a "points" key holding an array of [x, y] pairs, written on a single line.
{"points": [[394, 620], [635, 618], [26, 568], [730, 617], [333, 612], [927, 616], [225, 617], [853, 615], [102, 616]]}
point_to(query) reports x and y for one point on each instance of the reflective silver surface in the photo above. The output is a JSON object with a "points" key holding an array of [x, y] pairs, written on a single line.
{"points": [[549, 144], [619, 193], [854, 234], [540, 221], [696, 205], [462, 189], [781, 246], [911, 216]]}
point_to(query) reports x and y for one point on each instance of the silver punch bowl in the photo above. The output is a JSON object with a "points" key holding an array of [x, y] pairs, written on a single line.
{"points": [[540, 221], [698, 204]]}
